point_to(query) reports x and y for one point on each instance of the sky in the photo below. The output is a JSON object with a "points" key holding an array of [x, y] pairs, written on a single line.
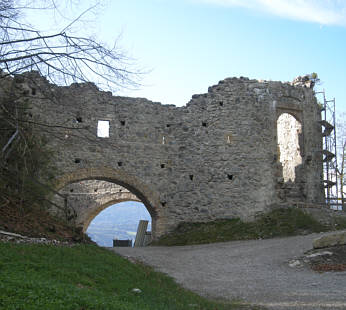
{"points": [[189, 45], [185, 46]]}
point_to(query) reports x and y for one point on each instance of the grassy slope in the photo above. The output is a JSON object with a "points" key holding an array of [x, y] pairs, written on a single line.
{"points": [[86, 277], [278, 223]]}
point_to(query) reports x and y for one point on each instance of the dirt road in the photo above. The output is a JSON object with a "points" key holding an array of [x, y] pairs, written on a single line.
{"points": [[256, 271]]}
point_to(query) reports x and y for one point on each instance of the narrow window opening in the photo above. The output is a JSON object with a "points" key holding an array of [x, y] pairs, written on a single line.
{"points": [[204, 124], [230, 176], [79, 119], [191, 177], [221, 103], [71, 190], [95, 190], [120, 163], [77, 160], [33, 91], [168, 125], [122, 123], [163, 203], [103, 129], [163, 140], [162, 165]]}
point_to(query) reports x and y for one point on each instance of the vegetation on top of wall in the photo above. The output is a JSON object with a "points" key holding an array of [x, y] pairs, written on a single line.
{"points": [[277, 223], [88, 277]]}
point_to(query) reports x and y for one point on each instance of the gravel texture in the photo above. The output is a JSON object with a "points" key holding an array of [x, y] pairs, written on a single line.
{"points": [[263, 272]]}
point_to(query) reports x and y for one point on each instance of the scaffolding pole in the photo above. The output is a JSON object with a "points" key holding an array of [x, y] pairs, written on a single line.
{"points": [[330, 161]]}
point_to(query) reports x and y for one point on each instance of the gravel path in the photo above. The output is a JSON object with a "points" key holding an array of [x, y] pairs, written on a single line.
{"points": [[256, 271]]}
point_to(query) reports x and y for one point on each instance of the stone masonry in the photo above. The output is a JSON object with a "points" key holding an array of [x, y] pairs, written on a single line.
{"points": [[86, 199], [217, 157]]}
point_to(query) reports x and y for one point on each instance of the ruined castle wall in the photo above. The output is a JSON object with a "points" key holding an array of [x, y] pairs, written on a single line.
{"points": [[216, 157]]}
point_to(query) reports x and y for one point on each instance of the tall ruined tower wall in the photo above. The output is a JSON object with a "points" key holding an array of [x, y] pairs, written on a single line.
{"points": [[217, 157]]}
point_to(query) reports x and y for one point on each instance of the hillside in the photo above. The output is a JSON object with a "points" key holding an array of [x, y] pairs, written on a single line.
{"points": [[36, 222]]}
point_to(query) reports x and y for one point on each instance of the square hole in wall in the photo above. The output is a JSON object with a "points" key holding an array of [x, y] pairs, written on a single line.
{"points": [[103, 129]]}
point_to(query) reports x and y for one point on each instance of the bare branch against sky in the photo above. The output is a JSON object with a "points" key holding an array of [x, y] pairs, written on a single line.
{"points": [[62, 57]]}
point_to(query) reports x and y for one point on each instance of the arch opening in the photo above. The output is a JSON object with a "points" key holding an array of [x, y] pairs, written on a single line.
{"points": [[94, 182], [118, 221], [289, 130]]}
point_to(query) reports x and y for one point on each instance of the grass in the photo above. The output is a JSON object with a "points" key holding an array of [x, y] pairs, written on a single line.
{"points": [[277, 223], [85, 277]]}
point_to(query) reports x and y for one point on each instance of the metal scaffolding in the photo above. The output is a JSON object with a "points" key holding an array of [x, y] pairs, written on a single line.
{"points": [[330, 163]]}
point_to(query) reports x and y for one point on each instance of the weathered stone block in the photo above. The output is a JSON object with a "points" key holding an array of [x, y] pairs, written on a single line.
{"points": [[338, 238]]}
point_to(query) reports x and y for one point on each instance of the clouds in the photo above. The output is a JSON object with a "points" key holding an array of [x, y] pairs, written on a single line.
{"points": [[325, 12]]}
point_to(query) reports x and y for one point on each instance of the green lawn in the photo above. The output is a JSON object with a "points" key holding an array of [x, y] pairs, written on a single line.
{"points": [[85, 277]]}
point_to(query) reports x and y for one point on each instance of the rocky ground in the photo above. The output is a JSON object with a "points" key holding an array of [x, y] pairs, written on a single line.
{"points": [[326, 259], [6, 236]]}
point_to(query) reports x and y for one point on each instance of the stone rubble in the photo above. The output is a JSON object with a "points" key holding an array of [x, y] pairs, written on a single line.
{"points": [[19, 239]]}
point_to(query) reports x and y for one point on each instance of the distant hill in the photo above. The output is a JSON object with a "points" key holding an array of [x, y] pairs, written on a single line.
{"points": [[118, 221]]}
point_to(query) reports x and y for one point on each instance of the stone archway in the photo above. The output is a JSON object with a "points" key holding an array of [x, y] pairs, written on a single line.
{"points": [[89, 197], [140, 192]]}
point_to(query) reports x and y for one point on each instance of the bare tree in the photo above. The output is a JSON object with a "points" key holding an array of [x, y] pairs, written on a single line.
{"points": [[60, 56], [341, 148]]}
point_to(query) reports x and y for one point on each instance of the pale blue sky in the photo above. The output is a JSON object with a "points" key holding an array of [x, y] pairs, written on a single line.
{"points": [[189, 45]]}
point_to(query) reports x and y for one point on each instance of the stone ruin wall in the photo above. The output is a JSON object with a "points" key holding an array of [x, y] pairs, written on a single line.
{"points": [[217, 157]]}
